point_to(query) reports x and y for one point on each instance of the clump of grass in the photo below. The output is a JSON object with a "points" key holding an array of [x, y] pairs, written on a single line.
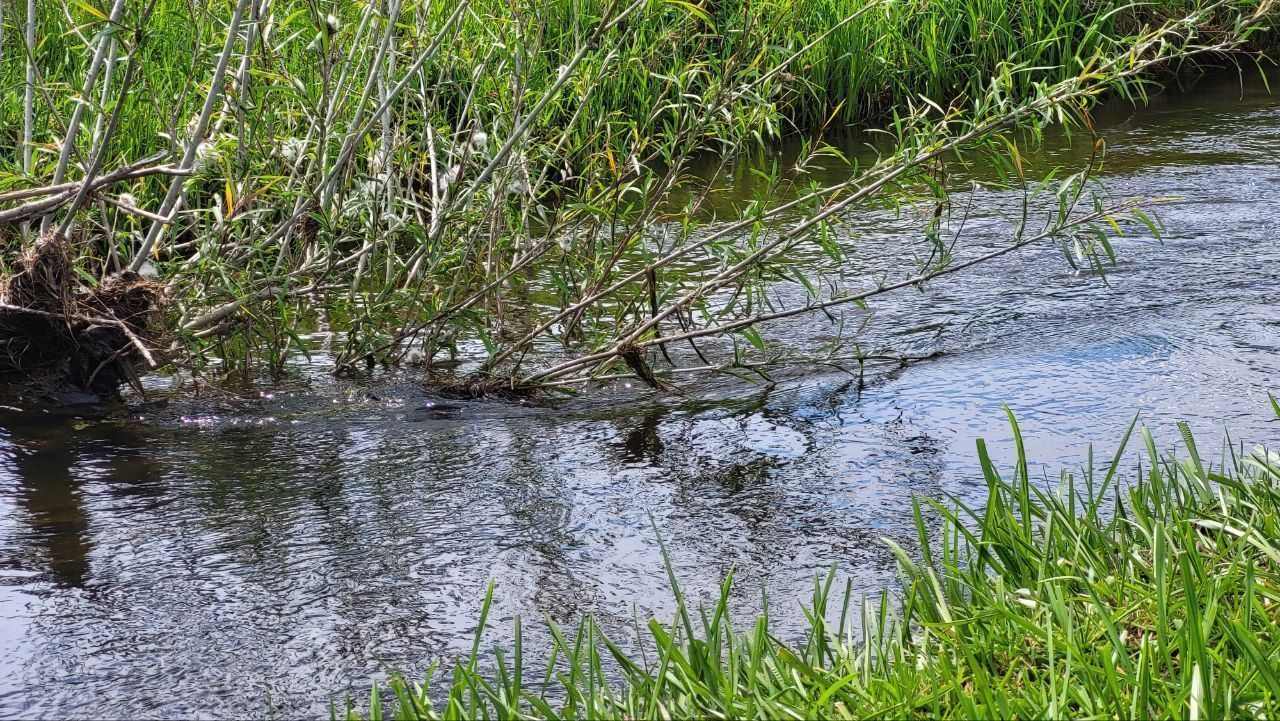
{"points": [[1155, 597]]}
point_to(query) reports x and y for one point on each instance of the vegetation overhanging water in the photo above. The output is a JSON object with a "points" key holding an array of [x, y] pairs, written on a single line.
{"points": [[400, 174]]}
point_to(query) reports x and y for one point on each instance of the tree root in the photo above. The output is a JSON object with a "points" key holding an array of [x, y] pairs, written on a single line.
{"points": [[58, 335]]}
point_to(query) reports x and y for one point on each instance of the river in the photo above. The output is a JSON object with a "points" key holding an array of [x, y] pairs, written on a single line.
{"points": [[224, 556]]}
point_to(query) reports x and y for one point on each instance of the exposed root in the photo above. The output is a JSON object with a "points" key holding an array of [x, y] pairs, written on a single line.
{"points": [[58, 335], [634, 359], [42, 278]]}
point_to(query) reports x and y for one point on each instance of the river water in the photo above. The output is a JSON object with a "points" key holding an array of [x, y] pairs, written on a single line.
{"points": [[219, 557]]}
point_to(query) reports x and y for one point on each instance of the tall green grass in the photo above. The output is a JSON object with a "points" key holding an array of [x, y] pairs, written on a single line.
{"points": [[943, 50], [1152, 594], [903, 50]]}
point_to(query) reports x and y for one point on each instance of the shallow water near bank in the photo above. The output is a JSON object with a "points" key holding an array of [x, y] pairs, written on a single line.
{"points": [[219, 557]]}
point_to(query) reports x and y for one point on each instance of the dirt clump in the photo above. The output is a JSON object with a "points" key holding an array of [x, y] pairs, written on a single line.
{"points": [[58, 334]]}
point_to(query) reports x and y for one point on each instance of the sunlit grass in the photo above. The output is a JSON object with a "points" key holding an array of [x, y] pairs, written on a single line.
{"points": [[1151, 594]]}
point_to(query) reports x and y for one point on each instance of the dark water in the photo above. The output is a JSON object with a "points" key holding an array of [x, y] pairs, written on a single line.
{"points": [[219, 558]]}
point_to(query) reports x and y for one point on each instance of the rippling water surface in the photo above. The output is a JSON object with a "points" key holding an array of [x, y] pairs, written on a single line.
{"points": [[226, 558]]}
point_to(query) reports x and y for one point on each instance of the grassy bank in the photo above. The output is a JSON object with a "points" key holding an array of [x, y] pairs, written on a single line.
{"points": [[506, 183], [1137, 592], [846, 61]]}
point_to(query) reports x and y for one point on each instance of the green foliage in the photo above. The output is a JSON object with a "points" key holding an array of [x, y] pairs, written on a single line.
{"points": [[899, 52], [412, 175], [1152, 597]]}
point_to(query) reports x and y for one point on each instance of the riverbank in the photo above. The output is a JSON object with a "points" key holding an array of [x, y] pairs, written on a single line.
{"points": [[1155, 596], [830, 63]]}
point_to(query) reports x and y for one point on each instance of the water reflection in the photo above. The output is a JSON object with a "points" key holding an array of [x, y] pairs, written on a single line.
{"points": [[643, 442], [50, 461], [50, 499]]}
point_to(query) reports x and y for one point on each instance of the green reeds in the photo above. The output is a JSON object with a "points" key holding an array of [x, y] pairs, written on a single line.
{"points": [[1151, 594], [939, 49]]}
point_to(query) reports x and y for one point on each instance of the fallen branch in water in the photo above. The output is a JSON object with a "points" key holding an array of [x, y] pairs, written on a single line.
{"points": [[1150, 51], [1153, 49], [836, 362], [552, 375]]}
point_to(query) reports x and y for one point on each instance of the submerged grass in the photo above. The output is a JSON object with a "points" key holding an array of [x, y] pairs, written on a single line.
{"points": [[1155, 597]]}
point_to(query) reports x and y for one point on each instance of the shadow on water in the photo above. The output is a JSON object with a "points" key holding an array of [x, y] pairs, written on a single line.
{"points": [[52, 459], [203, 558], [49, 498]]}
